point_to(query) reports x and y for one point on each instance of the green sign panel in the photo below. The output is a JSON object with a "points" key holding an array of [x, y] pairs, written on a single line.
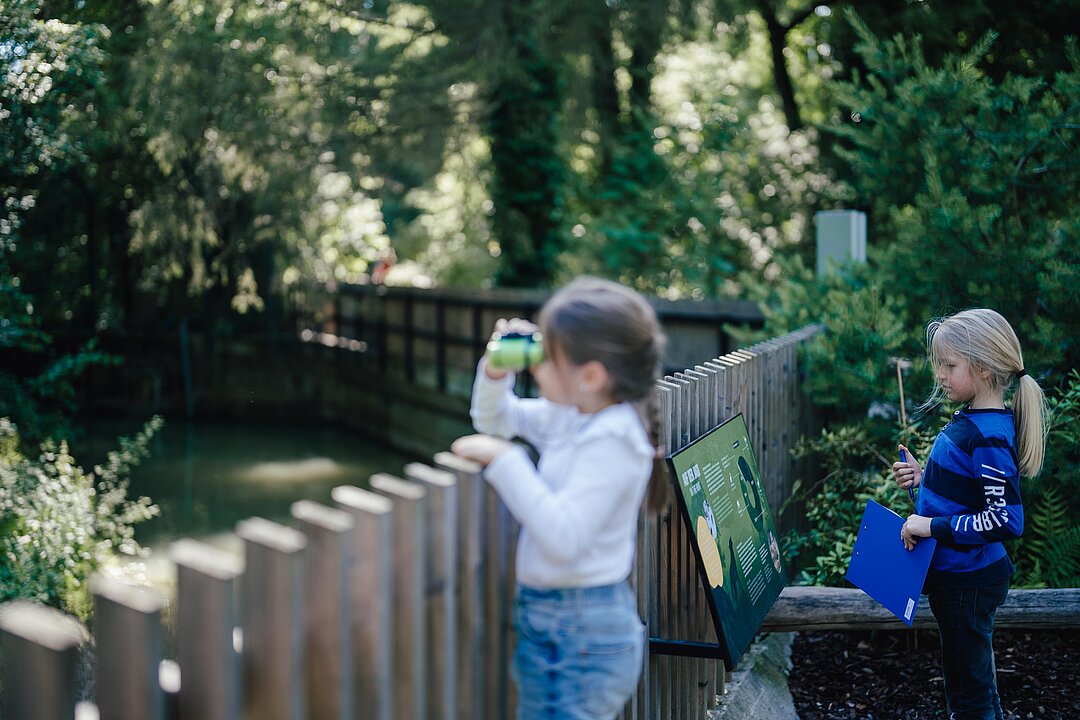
{"points": [[732, 531]]}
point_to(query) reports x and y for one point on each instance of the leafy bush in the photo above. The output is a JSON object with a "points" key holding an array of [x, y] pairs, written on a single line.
{"points": [[59, 524], [969, 184], [854, 470], [1049, 552]]}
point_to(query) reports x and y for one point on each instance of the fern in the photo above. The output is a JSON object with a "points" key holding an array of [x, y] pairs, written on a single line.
{"points": [[1063, 559], [1050, 551], [1032, 578]]}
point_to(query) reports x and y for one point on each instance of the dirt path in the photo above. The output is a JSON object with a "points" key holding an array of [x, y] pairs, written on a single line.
{"points": [[897, 675]]}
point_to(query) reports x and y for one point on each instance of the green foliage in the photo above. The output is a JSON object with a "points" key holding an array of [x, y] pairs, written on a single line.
{"points": [[645, 226], [865, 330], [59, 524], [1048, 554], [263, 172], [47, 69], [1063, 442], [1051, 544], [969, 183], [44, 403], [972, 181], [715, 186], [851, 366], [450, 240], [528, 171], [853, 471]]}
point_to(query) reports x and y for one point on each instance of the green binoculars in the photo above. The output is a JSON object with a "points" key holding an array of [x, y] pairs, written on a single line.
{"points": [[515, 351]]}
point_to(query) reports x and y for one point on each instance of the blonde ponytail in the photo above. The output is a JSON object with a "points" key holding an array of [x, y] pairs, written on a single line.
{"points": [[1030, 420]]}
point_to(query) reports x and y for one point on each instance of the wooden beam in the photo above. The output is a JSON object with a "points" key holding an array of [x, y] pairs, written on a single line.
{"points": [[38, 645], [371, 610], [272, 620], [327, 603], [206, 590], [806, 608], [127, 630]]}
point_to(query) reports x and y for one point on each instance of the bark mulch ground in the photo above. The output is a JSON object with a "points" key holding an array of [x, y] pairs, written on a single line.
{"points": [[897, 675]]}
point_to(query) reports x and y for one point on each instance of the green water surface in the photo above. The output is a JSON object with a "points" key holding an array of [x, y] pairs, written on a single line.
{"points": [[206, 476]]}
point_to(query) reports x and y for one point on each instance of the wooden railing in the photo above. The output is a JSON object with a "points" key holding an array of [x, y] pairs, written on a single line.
{"points": [[814, 608], [434, 338], [395, 602]]}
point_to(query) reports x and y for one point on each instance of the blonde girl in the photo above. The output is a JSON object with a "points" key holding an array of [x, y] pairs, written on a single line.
{"points": [[969, 494]]}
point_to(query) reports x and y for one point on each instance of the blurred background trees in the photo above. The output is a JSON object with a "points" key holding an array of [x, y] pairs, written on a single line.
{"points": [[217, 162], [209, 158]]}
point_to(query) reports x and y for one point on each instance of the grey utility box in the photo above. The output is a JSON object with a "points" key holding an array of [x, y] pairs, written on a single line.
{"points": [[841, 238]]}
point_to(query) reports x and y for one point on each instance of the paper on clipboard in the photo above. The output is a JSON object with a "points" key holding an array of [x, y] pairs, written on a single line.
{"points": [[883, 568]]}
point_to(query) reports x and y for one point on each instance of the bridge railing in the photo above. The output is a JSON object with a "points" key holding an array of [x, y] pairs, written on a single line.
{"points": [[393, 601], [434, 338]]}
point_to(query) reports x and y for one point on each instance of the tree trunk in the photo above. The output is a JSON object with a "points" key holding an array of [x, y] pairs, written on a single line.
{"points": [[777, 42], [606, 94], [528, 171], [645, 38]]}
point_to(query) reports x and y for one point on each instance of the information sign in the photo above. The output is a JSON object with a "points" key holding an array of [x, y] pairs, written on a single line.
{"points": [[732, 531]]}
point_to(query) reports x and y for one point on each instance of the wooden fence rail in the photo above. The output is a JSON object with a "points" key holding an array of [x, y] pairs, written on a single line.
{"points": [[829, 608], [396, 601]]}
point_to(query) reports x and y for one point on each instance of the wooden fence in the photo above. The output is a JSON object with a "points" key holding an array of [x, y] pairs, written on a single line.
{"points": [[764, 383], [395, 602]]}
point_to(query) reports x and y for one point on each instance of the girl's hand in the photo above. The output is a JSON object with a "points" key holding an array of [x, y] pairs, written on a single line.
{"points": [[502, 327], [915, 527], [907, 474], [480, 448]]}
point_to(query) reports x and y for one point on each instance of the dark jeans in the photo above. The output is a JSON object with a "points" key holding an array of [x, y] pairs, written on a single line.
{"points": [[966, 623]]}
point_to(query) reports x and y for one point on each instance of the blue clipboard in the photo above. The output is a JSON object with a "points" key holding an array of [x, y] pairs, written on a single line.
{"points": [[881, 566]]}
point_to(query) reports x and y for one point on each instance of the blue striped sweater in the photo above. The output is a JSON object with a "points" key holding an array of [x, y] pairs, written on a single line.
{"points": [[971, 490]]}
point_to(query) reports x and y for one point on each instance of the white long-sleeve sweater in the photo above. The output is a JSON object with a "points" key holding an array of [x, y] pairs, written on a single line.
{"points": [[579, 508]]}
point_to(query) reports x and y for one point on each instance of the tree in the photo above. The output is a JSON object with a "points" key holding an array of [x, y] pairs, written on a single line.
{"points": [[528, 173], [969, 183], [50, 70], [972, 182], [261, 174], [778, 31]]}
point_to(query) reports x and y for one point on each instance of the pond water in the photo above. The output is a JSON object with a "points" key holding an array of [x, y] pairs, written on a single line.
{"points": [[206, 476]]}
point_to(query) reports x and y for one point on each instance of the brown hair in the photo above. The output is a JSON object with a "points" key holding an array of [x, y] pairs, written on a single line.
{"points": [[987, 341], [593, 319]]}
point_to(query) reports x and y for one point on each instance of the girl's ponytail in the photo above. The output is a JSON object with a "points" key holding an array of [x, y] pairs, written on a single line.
{"points": [[658, 494], [1030, 420]]}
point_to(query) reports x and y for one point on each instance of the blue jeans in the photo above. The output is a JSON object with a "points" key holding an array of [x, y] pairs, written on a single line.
{"points": [[966, 624], [579, 652]]}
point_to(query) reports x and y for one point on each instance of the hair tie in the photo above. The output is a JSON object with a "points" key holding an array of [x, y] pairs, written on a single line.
{"points": [[1020, 373]]}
